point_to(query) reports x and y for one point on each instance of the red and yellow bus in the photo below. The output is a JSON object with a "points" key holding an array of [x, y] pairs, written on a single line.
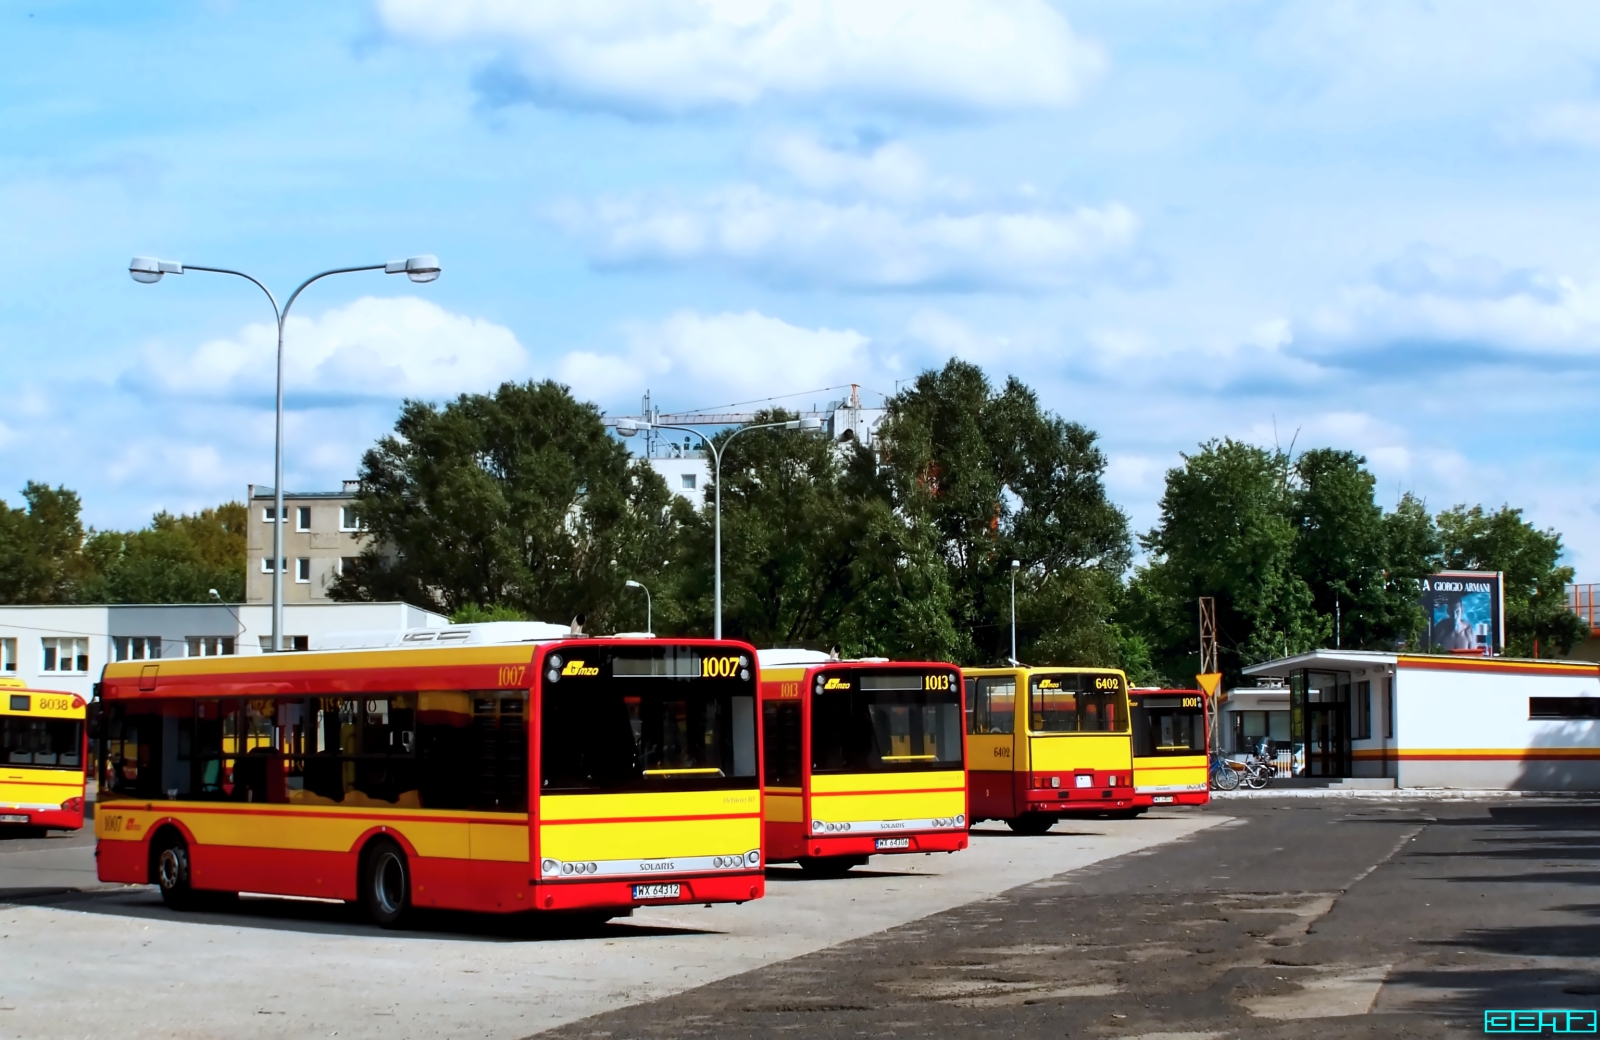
{"points": [[43, 752], [862, 758], [1171, 758], [1047, 743], [590, 775]]}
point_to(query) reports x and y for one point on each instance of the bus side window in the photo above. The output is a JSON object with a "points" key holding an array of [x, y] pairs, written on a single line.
{"points": [[993, 704], [781, 738]]}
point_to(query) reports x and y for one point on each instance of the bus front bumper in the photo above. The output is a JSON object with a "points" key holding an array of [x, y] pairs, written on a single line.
{"points": [[665, 890], [886, 844]]}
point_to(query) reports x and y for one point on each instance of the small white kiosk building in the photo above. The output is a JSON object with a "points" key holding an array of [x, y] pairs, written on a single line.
{"points": [[1476, 723]]}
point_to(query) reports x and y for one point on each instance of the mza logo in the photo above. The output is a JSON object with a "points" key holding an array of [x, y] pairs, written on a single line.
{"points": [[836, 683], [579, 668]]}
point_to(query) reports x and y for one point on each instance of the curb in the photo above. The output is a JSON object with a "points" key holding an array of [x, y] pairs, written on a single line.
{"points": [[1412, 794]]}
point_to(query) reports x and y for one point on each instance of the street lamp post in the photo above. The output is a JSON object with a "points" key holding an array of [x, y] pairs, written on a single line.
{"points": [[629, 427], [148, 270], [1014, 565], [649, 625]]}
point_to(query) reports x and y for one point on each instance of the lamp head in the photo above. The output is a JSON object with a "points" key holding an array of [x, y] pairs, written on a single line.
{"points": [[1015, 564], [811, 424], [424, 268], [148, 270], [630, 583], [629, 427]]}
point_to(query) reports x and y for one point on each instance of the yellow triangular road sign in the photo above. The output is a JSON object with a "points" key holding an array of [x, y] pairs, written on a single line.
{"points": [[1209, 682]]}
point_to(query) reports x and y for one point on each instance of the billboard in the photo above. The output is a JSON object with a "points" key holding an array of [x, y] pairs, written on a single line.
{"points": [[1464, 613]]}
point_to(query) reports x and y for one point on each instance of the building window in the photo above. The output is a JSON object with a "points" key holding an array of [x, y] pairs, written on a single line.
{"points": [[688, 482], [136, 648], [266, 514], [8, 655], [210, 646], [1564, 707], [1361, 725], [65, 654], [302, 570], [1388, 707], [266, 564], [289, 643], [348, 520], [1249, 727], [347, 565], [302, 518]]}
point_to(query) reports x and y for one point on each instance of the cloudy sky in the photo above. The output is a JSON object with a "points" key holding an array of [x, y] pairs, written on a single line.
{"points": [[1366, 225]]}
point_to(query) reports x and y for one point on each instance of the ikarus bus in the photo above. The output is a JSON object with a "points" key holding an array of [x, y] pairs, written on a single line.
{"points": [[1046, 743]]}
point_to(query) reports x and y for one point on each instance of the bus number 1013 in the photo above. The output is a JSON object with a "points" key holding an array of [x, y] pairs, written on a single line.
{"points": [[942, 681]]}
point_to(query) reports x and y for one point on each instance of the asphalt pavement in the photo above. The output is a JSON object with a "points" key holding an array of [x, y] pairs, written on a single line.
{"points": [[1294, 919]]}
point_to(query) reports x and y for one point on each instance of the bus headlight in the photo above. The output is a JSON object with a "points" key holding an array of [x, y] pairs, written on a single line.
{"points": [[818, 825], [752, 858], [550, 866], [553, 675]]}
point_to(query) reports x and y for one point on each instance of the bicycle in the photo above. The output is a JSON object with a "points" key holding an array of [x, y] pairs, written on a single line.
{"points": [[1223, 776]]}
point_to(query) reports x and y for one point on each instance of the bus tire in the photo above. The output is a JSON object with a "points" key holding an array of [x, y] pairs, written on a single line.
{"points": [[385, 883], [1031, 823], [169, 870], [830, 866]]}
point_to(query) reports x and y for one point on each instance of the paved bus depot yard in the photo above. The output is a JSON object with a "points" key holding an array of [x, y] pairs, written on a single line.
{"points": [[1251, 917]]}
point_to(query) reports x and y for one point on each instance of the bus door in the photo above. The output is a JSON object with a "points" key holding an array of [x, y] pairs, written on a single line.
{"points": [[994, 751]]}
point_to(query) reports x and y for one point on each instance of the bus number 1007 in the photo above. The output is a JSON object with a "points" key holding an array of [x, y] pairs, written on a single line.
{"points": [[719, 667]]}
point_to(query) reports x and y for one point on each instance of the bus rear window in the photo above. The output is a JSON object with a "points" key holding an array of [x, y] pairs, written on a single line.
{"points": [[1078, 702], [885, 723], [46, 743]]}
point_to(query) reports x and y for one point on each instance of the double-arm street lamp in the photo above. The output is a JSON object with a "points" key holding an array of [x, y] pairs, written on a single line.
{"points": [[629, 427], [148, 270]]}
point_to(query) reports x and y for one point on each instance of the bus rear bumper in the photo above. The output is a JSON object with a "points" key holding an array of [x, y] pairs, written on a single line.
{"points": [[602, 895], [886, 844]]}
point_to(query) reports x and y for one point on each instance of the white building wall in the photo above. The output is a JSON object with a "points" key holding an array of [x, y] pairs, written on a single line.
{"points": [[24, 631], [675, 472], [1470, 730]]}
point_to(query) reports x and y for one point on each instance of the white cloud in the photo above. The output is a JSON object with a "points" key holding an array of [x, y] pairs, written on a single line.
{"points": [[1430, 297], [670, 56], [892, 170], [718, 358], [1572, 123], [376, 347], [862, 245]]}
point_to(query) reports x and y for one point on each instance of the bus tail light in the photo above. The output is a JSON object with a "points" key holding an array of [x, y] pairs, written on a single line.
{"points": [[72, 805]]}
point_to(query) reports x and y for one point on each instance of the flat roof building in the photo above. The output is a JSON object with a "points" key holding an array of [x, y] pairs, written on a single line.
{"points": [[321, 537], [1475, 723]]}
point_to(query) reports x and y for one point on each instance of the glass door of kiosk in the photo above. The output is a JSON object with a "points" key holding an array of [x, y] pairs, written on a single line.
{"points": [[1320, 711]]}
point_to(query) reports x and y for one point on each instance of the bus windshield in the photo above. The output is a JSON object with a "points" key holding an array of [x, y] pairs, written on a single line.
{"points": [[647, 719], [867, 721], [41, 742], [1168, 725]]}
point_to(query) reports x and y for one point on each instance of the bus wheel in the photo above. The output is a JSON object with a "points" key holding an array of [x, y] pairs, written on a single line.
{"points": [[386, 884], [830, 866], [170, 871], [1031, 823]]}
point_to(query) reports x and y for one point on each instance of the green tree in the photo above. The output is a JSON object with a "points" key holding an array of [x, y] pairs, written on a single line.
{"points": [[177, 559], [993, 477], [813, 552], [1535, 582], [514, 499], [1353, 558], [1225, 531], [41, 547]]}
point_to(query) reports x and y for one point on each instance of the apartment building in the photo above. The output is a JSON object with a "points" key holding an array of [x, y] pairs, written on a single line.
{"points": [[321, 536]]}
